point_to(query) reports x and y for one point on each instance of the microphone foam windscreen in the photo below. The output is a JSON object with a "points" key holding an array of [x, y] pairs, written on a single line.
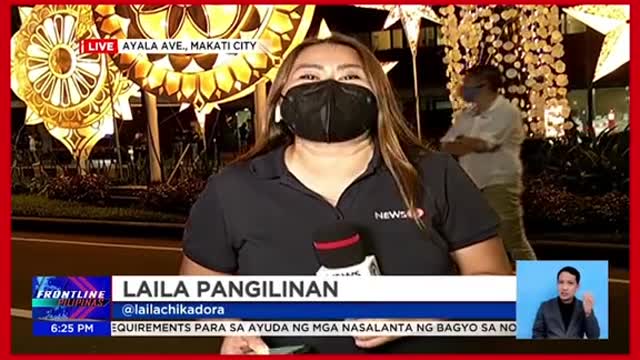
{"points": [[338, 245]]}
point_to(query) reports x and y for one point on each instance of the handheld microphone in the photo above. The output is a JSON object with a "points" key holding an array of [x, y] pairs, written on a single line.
{"points": [[341, 252]]}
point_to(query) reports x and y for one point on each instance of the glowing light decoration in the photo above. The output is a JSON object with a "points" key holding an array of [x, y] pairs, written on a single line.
{"points": [[324, 32], [613, 22], [30, 117], [75, 95], [207, 79], [388, 65], [524, 42], [554, 122], [24, 12], [411, 16]]}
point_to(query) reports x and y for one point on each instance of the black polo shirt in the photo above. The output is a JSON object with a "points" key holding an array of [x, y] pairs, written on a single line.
{"points": [[256, 218]]}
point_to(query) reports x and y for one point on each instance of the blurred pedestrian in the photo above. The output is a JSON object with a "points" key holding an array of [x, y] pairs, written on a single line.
{"points": [[33, 150], [244, 136], [487, 139]]}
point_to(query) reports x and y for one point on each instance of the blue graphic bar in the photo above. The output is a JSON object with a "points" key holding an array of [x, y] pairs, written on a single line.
{"points": [[71, 328], [314, 311]]}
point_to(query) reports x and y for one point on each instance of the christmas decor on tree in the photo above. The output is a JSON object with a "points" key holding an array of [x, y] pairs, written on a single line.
{"points": [[525, 43]]}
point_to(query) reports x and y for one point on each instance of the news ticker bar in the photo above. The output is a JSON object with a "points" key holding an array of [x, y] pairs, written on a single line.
{"points": [[276, 328], [313, 311]]}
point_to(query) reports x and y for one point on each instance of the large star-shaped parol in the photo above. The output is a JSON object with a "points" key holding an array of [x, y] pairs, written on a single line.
{"points": [[324, 32], [613, 22], [410, 16]]}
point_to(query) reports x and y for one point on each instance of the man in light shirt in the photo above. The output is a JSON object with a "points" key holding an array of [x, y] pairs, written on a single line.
{"points": [[487, 138]]}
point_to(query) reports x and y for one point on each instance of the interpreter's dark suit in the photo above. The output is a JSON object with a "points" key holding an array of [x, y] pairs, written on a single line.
{"points": [[549, 323]]}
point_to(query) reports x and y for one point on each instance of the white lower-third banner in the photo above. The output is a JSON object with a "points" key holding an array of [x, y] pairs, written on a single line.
{"points": [[314, 328]]}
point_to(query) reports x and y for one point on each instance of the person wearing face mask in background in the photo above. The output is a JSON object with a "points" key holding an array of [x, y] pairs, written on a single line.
{"points": [[487, 140], [336, 148]]}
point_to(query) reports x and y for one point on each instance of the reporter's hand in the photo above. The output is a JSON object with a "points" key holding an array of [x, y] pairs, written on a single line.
{"points": [[372, 341], [369, 342], [243, 345]]}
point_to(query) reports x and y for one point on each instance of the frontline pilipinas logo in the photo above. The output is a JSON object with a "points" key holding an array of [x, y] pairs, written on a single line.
{"points": [[71, 297], [168, 46]]}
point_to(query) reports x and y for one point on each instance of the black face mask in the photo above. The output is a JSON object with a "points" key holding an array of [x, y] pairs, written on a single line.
{"points": [[329, 111]]}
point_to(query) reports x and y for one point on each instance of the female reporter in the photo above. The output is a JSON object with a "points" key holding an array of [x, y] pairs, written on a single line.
{"points": [[337, 147]]}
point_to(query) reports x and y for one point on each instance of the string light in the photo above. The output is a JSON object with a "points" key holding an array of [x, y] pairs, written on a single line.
{"points": [[523, 42]]}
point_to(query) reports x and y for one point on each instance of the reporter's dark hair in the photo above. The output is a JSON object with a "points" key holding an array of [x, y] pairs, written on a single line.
{"points": [[571, 270], [488, 73]]}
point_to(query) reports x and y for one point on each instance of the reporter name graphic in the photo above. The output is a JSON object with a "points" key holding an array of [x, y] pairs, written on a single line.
{"points": [[447, 289], [169, 46]]}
